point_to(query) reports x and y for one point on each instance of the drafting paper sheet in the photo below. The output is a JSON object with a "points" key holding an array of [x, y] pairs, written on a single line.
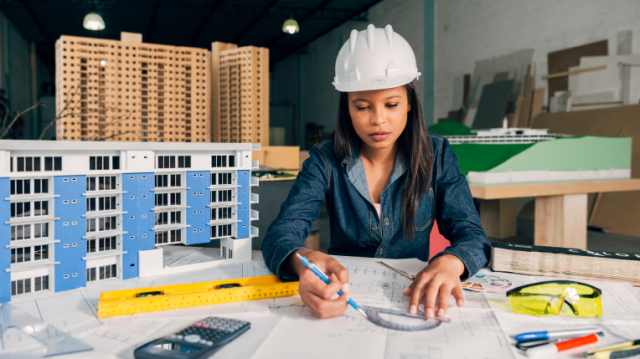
{"points": [[472, 333]]}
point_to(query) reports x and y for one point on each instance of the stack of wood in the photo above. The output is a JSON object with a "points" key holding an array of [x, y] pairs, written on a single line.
{"points": [[586, 77], [502, 87]]}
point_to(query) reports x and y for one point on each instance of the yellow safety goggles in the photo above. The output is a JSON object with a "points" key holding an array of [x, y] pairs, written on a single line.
{"points": [[549, 299]]}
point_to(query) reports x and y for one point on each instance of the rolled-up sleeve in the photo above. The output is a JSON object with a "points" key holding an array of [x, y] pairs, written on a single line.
{"points": [[292, 226], [458, 220]]}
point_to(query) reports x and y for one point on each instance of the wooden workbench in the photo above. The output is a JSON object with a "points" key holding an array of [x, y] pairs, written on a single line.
{"points": [[561, 209]]}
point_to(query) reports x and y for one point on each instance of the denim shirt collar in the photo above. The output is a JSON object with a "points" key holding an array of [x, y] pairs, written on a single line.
{"points": [[358, 177]]}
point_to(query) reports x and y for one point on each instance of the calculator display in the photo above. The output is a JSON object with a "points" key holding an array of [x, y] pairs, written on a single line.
{"points": [[171, 347]]}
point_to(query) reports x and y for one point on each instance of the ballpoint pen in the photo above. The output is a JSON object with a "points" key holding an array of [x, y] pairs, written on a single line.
{"points": [[309, 264], [556, 334]]}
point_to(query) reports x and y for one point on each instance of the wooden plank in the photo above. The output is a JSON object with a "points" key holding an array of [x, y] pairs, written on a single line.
{"points": [[597, 103], [561, 221], [527, 96], [560, 61], [499, 217], [553, 189], [536, 105], [574, 72]]}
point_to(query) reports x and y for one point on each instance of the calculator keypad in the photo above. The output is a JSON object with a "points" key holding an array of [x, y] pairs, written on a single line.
{"points": [[210, 330]]}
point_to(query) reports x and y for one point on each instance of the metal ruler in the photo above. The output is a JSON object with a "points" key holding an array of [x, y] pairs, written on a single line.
{"points": [[153, 299]]}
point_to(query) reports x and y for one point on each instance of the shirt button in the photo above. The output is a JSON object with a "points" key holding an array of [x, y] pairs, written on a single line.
{"points": [[380, 251], [374, 228], [386, 221]]}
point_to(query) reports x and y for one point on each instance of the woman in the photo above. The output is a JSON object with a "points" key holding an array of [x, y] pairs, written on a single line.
{"points": [[385, 179]]}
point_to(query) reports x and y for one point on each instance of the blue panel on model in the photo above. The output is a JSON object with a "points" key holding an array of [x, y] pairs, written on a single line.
{"points": [[198, 197], [244, 209], [5, 231], [139, 220], [71, 273]]}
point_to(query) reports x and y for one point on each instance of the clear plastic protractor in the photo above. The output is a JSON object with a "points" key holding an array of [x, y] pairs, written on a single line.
{"points": [[375, 318]]}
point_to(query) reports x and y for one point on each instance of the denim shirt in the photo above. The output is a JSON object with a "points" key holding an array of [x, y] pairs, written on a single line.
{"points": [[356, 228]]}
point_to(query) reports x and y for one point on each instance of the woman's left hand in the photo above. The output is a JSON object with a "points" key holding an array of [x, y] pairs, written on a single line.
{"points": [[439, 280]]}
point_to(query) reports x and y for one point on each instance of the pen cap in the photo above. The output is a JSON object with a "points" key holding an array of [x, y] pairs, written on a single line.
{"points": [[577, 342]]}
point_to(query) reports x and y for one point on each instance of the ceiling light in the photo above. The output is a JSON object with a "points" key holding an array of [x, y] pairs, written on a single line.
{"points": [[102, 62], [93, 22], [290, 27]]}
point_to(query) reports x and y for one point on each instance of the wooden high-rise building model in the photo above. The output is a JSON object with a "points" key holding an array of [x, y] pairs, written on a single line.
{"points": [[131, 91], [240, 94]]}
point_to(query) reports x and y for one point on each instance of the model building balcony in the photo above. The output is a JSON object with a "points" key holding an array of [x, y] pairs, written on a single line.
{"points": [[254, 215], [255, 198], [254, 231], [255, 165], [255, 181]]}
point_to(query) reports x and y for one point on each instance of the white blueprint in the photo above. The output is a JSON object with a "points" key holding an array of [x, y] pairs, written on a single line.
{"points": [[472, 333]]}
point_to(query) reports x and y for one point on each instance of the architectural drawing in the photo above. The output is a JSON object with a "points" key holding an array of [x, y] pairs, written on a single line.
{"points": [[473, 331], [78, 212]]}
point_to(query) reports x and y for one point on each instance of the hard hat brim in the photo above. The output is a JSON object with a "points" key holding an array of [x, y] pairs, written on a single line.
{"points": [[381, 83]]}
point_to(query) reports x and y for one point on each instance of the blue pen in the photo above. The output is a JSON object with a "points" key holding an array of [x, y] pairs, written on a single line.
{"points": [[309, 264], [557, 334]]}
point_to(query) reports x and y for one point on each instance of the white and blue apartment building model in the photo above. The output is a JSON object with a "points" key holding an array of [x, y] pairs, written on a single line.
{"points": [[76, 212]]}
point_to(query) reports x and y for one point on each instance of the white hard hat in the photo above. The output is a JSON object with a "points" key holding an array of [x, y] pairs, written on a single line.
{"points": [[374, 59]]}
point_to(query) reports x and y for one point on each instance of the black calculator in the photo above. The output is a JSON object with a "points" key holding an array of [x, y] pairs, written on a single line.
{"points": [[199, 340]]}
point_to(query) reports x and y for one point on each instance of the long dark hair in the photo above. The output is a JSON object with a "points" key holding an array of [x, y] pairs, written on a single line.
{"points": [[415, 144]]}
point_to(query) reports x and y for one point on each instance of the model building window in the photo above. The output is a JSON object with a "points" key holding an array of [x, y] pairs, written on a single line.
{"points": [[222, 178], [168, 218], [53, 163], [28, 164], [22, 286], [168, 199], [24, 209], [221, 196], [169, 236], [101, 273], [21, 255], [101, 203], [20, 232], [220, 213], [101, 224], [101, 183], [173, 180], [41, 283], [221, 161], [98, 163], [41, 208], [20, 209], [220, 231], [173, 161], [41, 185], [29, 231], [101, 244], [20, 187]]}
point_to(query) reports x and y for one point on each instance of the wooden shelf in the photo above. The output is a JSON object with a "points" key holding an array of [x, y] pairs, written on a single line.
{"points": [[553, 189]]}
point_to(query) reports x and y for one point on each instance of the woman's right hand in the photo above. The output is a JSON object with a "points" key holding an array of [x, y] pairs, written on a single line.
{"points": [[313, 291]]}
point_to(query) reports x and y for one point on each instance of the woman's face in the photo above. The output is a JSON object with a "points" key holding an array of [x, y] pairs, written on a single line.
{"points": [[379, 116]]}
